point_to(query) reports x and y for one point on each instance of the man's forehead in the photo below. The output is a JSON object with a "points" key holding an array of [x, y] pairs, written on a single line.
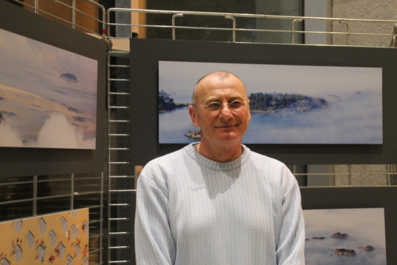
{"points": [[222, 75], [220, 78], [217, 75], [214, 82]]}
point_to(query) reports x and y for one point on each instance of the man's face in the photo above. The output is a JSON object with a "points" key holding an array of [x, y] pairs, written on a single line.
{"points": [[225, 124]]}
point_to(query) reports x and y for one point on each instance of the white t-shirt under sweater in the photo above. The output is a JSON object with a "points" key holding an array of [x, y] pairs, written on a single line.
{"points": [[195, 211]]}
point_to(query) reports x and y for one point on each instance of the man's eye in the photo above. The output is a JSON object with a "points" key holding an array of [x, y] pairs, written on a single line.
{"points": [[214, 105], [235, 104]]}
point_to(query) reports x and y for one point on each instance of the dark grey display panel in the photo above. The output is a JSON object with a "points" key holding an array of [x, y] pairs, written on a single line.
{"points": [[145, 58], [36, 31]]}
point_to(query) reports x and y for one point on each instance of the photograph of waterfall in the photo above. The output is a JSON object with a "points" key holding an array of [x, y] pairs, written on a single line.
{"points": [[48, 95]]}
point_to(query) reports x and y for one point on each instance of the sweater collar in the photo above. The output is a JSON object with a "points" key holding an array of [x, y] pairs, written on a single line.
{"points": [[202, 160]]}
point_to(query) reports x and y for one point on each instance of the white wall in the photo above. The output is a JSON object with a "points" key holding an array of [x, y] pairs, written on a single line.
{"points": [[365, 9]]}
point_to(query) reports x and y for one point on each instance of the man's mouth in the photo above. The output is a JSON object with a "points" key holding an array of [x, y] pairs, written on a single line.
{"points": [[226, 126]]}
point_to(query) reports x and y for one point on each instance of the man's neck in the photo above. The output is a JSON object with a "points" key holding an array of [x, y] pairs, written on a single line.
{"points": [[220, 153]]}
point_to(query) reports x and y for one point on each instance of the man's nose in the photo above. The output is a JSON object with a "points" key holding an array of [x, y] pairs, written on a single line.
{"points": [[225, 110]]}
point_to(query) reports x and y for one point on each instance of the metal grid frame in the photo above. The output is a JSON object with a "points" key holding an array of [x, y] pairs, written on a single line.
{"points": [[294, 20], [121, 180], [29, 196], [74, 10], [120, 173]]}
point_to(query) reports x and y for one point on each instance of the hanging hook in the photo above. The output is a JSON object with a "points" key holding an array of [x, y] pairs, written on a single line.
{"points": [[173, 24], [234, 26], [347, 31], [293, 33], [393, 39]]}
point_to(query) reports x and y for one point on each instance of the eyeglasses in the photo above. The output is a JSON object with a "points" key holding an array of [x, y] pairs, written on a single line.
{"points": [[217, 106]]}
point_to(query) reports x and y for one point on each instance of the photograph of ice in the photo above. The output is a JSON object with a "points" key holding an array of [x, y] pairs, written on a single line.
{"points": [[48, 96], [289, 104], [345, 236]]}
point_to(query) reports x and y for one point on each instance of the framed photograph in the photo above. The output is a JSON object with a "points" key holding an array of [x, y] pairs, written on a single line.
{"points": [[289, 104], [340, 236], [309, 104], [352, 225], [48, 95]]}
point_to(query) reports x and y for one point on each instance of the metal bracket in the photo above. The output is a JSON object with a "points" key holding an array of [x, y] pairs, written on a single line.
{"points": [[394, 37]]}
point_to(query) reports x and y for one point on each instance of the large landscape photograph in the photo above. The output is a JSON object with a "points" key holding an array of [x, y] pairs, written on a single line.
{"points": [[48, 96], [289, 104], [345, 236]]}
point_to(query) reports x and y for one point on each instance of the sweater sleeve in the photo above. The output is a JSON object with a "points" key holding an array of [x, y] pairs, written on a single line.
{"points": [[154, 244], [291, 244]]}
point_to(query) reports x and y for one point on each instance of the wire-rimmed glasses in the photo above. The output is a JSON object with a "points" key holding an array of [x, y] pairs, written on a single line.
{"points": [[215, 106]]}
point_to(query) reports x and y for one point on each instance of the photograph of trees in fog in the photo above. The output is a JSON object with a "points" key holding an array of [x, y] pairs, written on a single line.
{"points": [[289, 104]]}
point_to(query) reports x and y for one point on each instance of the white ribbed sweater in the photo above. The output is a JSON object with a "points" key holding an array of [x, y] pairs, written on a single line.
{"points": [[193, 211]]}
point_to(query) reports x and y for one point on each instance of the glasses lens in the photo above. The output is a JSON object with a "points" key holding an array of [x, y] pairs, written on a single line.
{"points": [[214, 106], [235, 104]]}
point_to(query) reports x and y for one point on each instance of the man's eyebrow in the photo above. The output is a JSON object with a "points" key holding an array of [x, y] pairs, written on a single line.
{"points": [[231, 97], [212, 98]]}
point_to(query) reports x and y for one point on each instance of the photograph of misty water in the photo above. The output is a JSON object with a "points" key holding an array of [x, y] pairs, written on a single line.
{"points": [[345, 236], [48, 96], [289, 104]]}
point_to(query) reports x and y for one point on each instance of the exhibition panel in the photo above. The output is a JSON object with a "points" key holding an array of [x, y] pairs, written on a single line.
{"points": [[337, 120], [53, 94]]}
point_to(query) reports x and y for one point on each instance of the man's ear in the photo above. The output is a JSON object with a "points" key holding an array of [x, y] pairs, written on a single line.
{"points": [[193, 116], [249, 111]]}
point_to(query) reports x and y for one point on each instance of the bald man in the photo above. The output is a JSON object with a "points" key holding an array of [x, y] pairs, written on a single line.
{"points": [[216, 201]]}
